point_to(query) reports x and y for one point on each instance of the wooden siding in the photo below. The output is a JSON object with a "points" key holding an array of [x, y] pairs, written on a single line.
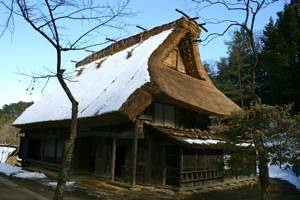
{"points": [[174, 61]]}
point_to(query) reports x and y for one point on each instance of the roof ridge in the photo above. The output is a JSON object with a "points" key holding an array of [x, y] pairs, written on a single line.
{"points": [[127, 42]]}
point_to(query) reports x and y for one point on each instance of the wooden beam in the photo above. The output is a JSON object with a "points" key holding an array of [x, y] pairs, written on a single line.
{"points": [[144, 29], [111, 40], [202, 26], [134, 152], [109, 134], [181, 12], [113, 158]]}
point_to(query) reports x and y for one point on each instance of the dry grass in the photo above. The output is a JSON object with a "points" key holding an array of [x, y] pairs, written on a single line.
{"points": [[9, 134]]}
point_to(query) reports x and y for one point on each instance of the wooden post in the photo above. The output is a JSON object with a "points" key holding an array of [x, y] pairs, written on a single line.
{"points": [[134, 152], [164, 169], [113, 159], [180, 165], [149, 161]]}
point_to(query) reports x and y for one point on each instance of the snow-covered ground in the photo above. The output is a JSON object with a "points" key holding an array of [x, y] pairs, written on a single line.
{"points": [[5, 152], [18, 172], [284, 174]]}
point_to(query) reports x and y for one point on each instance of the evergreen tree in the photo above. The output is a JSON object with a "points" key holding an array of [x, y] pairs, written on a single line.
{"points": [[270, 130], [279, 69], [234, 72]]}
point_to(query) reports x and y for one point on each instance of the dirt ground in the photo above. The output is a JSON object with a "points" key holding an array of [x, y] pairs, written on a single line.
{"points": [[279, 190], [13, 188]]}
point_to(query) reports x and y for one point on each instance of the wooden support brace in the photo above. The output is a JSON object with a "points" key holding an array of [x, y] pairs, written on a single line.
{"points": [[144, 29]]}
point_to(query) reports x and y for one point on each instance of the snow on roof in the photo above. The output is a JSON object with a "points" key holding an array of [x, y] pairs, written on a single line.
{"points": [[101, 89], [203, 141]]}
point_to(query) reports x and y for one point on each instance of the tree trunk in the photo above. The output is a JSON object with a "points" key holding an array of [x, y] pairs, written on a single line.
{"points": [[70, 141], [240, 84], [263, 175], [253, 76], [67, 158], [263, 169]]}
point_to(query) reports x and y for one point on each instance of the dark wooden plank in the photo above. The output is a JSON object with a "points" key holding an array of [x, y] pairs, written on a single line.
{"points": [[134, 152], [164, 169], [180, 165], [113, 158], [149, 161]]}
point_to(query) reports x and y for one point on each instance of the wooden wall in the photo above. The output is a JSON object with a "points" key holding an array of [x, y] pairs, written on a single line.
{"points": [[43, 147], [201, 166]]}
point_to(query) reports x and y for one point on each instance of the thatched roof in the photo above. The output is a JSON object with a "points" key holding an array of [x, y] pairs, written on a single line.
{"points": [[192, 138], [126, 77]]}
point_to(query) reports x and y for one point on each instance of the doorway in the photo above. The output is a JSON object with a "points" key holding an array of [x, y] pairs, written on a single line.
{"points": [[120, 164]]}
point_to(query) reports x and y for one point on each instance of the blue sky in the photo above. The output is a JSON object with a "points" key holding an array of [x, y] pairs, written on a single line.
{"points": [[26, 51]]}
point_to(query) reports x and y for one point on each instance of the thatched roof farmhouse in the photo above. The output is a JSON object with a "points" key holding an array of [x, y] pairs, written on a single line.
{"points": [[144, 107]]}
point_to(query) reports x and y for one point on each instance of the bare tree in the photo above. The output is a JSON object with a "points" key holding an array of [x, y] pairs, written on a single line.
{"points": [[248, 9], [54, 20]]}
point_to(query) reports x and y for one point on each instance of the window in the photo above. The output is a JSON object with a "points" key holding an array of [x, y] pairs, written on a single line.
{"points": [[49, 149], [159, 114], [168, 115], [34, 149], [53, 150], [59, 150], [174, 61], [164, 114], [184, 118], [201, 121]]}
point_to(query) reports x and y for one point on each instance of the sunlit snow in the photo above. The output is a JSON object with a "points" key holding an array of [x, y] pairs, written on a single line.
{"points": [[284, 174], [99, 90], [203, 141], [5, 152]]}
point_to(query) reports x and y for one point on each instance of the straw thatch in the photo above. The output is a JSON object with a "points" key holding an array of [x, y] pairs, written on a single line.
{"points": [[192, 89]]}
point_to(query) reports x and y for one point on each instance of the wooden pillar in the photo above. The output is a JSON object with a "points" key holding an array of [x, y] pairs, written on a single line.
{"points": [[164, 169], [113, 158], [180, 165], [134, 152], [149, 161]]}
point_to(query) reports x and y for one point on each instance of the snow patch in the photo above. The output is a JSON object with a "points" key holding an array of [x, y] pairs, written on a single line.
{"points": [[284, 174], [200, 141], [30, 175], [18, 172], [5, 152], [9, 170], [245, 144], [54, 184]]}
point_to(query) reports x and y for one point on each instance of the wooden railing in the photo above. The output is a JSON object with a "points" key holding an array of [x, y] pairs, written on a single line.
{"points": [[200, 175]]}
